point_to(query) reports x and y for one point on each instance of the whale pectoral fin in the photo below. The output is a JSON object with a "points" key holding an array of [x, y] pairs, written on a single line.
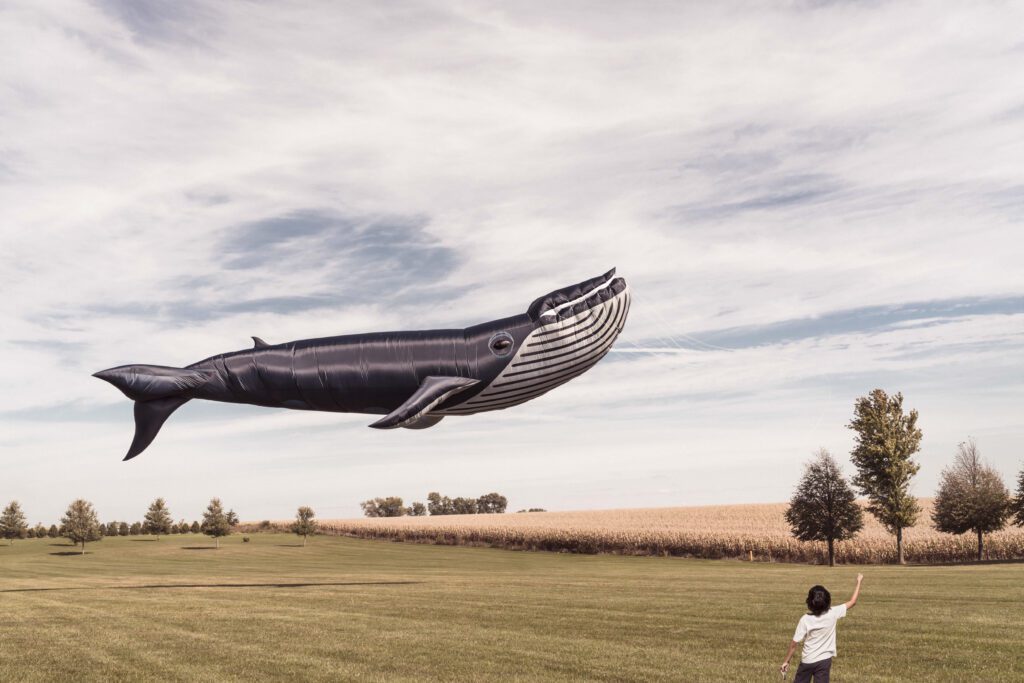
{"points": [[425, 422], [258, 343], [417, 407]]}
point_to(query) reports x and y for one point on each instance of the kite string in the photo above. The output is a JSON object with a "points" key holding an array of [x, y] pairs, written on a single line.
{"points": [[664, 326]]}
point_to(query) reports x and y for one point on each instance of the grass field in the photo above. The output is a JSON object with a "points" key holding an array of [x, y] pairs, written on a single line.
{"points": [[715, 531], [350, 609]]}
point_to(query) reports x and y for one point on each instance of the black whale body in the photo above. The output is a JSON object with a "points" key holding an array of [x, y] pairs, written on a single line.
{"points": [[414, 378]]}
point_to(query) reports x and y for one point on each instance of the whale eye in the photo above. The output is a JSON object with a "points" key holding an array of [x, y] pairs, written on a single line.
{"points": [[501, 344]]}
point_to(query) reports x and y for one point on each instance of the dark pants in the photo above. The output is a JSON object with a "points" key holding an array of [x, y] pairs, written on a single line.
{"points": [[819, 670]]}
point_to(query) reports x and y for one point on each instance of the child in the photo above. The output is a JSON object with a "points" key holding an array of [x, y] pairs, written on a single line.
{"points": [[818, 631]]}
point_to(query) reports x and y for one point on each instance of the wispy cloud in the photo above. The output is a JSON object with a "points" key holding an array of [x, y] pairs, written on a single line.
{"points": [[808, 201]]}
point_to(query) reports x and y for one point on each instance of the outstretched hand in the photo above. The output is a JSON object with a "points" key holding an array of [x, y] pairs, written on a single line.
{"points": [[860, 577], [784, 668]]}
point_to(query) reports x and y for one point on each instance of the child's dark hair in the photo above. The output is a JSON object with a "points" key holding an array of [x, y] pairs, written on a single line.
{"points": [[819, 600]]}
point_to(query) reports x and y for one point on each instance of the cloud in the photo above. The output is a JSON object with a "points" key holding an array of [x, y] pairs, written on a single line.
{"points": [[808, 201]]}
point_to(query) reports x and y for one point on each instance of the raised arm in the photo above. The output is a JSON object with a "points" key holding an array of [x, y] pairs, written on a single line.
{"points": [[856, 592]]}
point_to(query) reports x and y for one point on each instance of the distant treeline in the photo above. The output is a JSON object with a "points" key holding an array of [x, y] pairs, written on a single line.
{"points": [[394, 506]]}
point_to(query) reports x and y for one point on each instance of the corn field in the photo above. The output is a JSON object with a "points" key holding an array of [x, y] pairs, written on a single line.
{"points": [[757, 532]]}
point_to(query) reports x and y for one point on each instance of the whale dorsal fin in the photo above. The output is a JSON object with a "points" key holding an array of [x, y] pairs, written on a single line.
{"points": [[258, 343], [414, 413]]}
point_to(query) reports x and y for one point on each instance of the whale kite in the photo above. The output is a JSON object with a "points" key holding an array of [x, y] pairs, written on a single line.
{"points": [[412, 378]]}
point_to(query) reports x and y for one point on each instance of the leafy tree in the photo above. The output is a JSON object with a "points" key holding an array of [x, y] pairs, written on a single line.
{"points": [[1017, 504], [885, 442], [304, 524], [80, 524], [491, 503], [110, 529], [532, 510], [135, 529], [464, 506], [123, 529], [232, 518], [53, 531], [824, 507], [40, 531], [12, 522], [392, 506], [971, 497], [438, 504], [195, 528], [215, 521], [417, 509], [183, 527], [158, 519]]}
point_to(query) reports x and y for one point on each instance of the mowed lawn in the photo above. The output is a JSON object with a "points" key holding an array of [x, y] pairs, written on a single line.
{"points": [[343, 609]]}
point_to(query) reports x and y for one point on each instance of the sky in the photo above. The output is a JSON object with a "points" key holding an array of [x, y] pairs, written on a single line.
{"points": [[808, 200]]}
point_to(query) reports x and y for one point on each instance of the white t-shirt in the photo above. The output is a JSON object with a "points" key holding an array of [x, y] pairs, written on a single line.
{"points": [[819, 634]]}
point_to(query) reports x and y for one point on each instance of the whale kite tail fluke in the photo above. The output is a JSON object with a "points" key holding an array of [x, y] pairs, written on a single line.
{"points": [[157, 391]]}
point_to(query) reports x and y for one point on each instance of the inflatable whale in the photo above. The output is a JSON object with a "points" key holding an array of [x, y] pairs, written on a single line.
{"points": [[413, 378]]}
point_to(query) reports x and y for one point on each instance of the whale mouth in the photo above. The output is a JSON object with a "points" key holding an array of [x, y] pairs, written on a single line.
{"points": [[572, 300], [576, 327]]}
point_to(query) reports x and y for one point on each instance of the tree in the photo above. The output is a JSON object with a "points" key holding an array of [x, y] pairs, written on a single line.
{"points": [[40, 530], [123, 529], [158, 519], [885, 442], [971, 497], [12, 522], [232, 518], [215, 522], [110, 529], [438, 504], [183, 527], [195, 528], [80, 523], [824, 507], [491, 503], [464, 506], [53, 531], [392, 506], [304, 524], [1017, 504], [135, 529], [417, 509]]}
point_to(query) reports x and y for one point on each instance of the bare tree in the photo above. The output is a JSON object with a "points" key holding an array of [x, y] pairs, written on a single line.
{"points": [[971, 497]]}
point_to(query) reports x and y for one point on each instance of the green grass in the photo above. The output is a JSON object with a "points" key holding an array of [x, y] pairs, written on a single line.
{"points": [[343, 609]]}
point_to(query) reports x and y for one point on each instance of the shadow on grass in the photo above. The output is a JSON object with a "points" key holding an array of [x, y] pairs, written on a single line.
{"points": [[63, 545], [199, 547], [155, 586], [143, 540], [288, 545], [69, 553]]}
